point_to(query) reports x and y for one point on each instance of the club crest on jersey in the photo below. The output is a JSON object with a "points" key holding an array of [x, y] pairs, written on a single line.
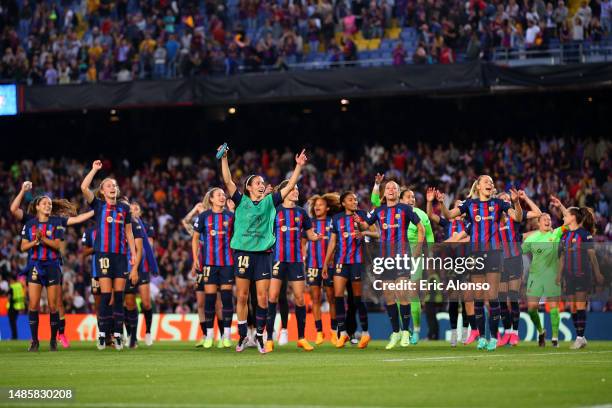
{"points": [[385, 226], [109, 219], [477, 218], [48, 233], [345, 234], [397, 216], [283, 228], [225, 223], [213, 233], [297, 219], [573, 240], [491, 208]]}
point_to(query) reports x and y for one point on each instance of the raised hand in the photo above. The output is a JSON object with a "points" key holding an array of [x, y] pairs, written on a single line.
{"points": [[431, 194], [555, 202], [379, 178], [97, 165], [440, 196], [522, 195], [26, 186], [300, 159], [226, 150], [514, 195]]}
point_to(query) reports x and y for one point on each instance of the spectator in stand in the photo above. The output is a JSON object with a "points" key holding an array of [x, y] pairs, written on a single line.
{"points": [[605, 15], [561, 14], [159, 70], [578, 30], [420, 55], [531, 34], [399, 54]]}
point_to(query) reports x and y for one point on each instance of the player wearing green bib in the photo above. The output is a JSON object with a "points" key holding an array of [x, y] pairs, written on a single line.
{"points": [[407, 197], [252, 242], [543, 245]]}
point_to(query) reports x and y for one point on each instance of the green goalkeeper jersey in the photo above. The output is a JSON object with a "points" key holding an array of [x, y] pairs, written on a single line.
{"points": [[544, 248]]}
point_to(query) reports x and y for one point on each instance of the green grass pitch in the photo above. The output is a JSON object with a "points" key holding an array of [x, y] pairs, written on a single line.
{"points": [[430, 374]]}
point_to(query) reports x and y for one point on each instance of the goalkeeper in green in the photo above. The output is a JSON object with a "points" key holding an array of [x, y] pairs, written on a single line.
{"points": [[543, 245]]}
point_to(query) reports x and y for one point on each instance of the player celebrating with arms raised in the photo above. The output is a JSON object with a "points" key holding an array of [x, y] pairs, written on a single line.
{"points": [[113, 235], [543, 246], [290, 224], [578, 265], [394, 219], [41, 237], [483, 212], [253, 240]]}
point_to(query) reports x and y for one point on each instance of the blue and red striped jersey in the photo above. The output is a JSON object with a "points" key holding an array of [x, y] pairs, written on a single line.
{"points": [[289, 226], [315, 258], [484, 217], [148, 263], [394, 222], [451, 227], [511, 236], [215, 231], [89, 237], [111, 221], [350, 249], [53, 228], [574, 246]]}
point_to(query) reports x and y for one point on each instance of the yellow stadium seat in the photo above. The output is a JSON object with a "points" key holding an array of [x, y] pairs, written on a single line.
{"points": [[374, 44]]}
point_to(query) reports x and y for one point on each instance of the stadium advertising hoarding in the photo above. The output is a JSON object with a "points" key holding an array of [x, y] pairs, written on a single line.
{"points": [[185, 327]]}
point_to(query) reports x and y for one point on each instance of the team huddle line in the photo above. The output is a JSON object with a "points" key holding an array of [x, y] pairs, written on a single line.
{"points": [[252, 243]]}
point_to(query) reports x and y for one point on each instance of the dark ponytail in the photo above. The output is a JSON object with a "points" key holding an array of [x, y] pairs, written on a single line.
{"points": [[584, 217], [588, 219]]}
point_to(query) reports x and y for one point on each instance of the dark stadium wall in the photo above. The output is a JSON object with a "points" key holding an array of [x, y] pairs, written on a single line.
{"points": [[141, 133]]}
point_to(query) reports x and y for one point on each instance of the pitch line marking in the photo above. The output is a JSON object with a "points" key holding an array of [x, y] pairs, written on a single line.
{"points": [[576, 353]]}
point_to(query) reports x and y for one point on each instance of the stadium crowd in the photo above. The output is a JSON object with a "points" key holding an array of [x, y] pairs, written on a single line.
{"points": [[75, 41], [577, 171]]}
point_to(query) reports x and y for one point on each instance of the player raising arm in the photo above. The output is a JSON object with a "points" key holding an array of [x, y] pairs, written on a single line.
{"points": [[290, 224], [578, 266], [483, 211], [349, 263], [253, 240], [42, 238], [113, 236]]}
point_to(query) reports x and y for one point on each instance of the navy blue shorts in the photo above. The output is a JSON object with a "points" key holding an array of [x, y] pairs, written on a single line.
{"points": [[492, 261], [352, 272], [45, 273], [214, 275], [314, 277], [143, 279], [110, 265], [512, 268], [292, 271], [573, 284], [253, 266]]}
